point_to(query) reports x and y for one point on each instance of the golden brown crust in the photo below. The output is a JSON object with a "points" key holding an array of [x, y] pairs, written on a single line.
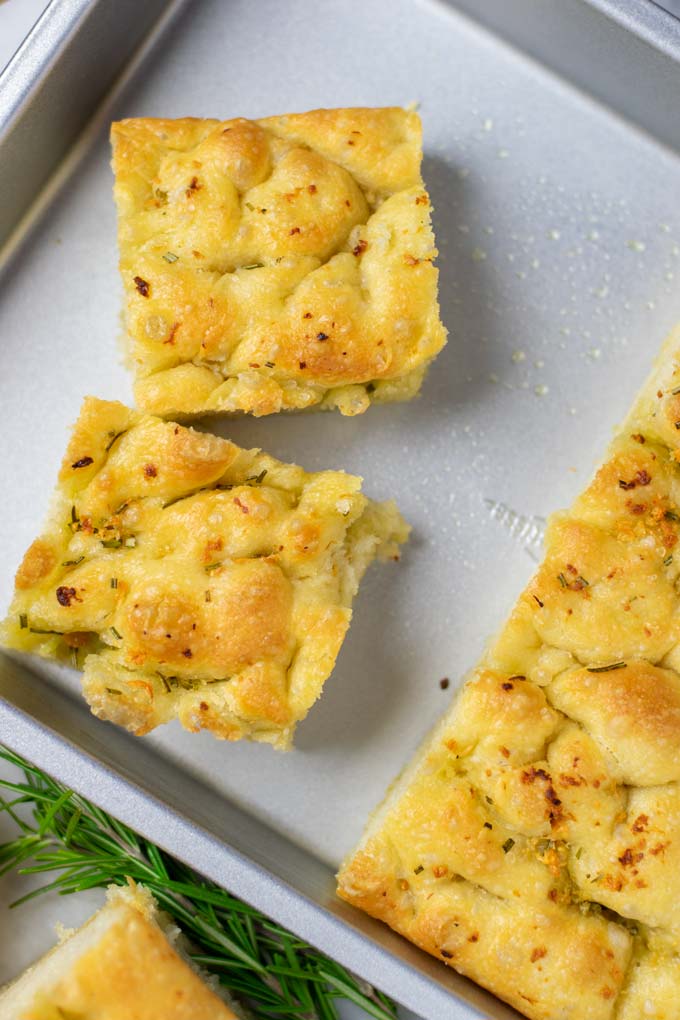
{"points": [[130, 971], [193, 579], [535, 844], [277, 264]]}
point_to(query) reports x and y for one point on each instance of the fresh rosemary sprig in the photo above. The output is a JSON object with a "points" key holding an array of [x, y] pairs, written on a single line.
{"points": [[273, 973]]}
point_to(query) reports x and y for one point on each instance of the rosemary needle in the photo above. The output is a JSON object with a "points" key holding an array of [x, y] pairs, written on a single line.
{"points": [[275, 974]]}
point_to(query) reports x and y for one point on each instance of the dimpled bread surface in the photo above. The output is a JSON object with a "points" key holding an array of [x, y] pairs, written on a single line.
{"points": [[534, 843], [276, 264], [195, 580]]}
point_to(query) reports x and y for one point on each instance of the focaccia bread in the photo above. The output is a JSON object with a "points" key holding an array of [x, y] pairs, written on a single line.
{"points": [[124, 963], [277, 264], [534, 843], [193, 579]]}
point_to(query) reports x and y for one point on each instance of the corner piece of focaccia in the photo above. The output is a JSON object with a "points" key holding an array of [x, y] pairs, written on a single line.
{"points": [[534, 843], [276, 264], [125, 963], [193, 579]]}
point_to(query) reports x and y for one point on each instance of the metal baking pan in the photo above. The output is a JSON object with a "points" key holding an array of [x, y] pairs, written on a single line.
{"points": [[551, 141]]}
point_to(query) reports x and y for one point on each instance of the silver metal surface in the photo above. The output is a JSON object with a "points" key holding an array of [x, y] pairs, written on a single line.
{"points": [[560, 252]]}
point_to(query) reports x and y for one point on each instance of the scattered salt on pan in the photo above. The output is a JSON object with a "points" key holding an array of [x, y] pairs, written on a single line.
{"points": [[488, 124], [541, 390], [518, 356], [503, 153], [636, 245], [478, 255], [554, 235]]}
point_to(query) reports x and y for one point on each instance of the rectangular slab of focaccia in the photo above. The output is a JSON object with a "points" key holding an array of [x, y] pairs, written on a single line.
{"points": [[193, 579], [123, 964], [534, 843], [276, 264]]}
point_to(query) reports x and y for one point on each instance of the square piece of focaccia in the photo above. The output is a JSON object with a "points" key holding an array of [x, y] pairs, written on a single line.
{"points": [[534, 843], [276, 264], [193, 579], [125, 963]]}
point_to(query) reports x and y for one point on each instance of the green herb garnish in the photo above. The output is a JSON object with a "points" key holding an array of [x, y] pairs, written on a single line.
{"points": [[254, 265], [275, 974], [114, 582], [112, 543], [269, 364], [112, 690], [562, 579], [209, 567], [606, 669], [116, 435], [171, 257], [39, 630], [508, 845], [73, 563], [417, 871], [667, 562], [258, 479], [670, 515], [116, 633], [23, 621], [208, 596]]}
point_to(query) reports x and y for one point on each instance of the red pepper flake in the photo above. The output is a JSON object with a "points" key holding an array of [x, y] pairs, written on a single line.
{"points": [[360, 248], [171, 336], [411, 260], [639, 438], [150, 471], [321, 337], [142, 286], [66, 595], [538, 953], [311, 188], [422, 200], [508, 686], [193, 186], [294, 230], [640, 823], [307, 315], [636, 508], [241, 506], [253, 364], [350, 141], [83, 462], [538, 601], [642, 477]]}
